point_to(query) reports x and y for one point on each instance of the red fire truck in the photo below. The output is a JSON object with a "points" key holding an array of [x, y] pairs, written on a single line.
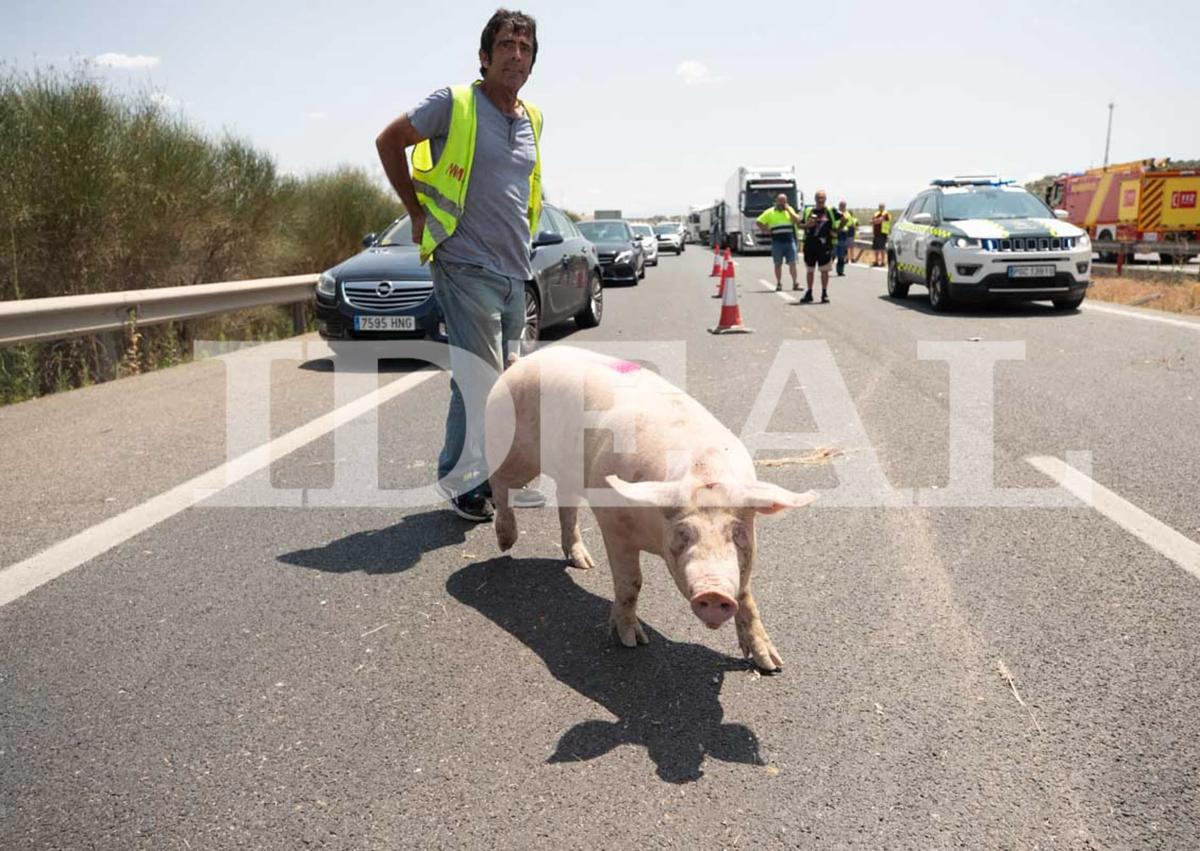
{"points": [[1145, 201]]}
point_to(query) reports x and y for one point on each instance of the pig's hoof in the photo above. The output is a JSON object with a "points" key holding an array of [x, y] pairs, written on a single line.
{"points": [[581, 558], [763, 653], [506, 532], [630, 633]]}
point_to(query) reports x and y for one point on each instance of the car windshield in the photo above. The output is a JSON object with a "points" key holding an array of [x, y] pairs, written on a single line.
{"points": [[668, 228], [992, 204], [398, 234], [643, 230], [611, 231]]}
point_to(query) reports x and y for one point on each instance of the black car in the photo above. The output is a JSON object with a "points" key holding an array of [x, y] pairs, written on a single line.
{"points": [[622, 257], [384, 292]]}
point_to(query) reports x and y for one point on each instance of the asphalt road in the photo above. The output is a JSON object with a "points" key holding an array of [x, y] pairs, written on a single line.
{"points": [[380, 677]]}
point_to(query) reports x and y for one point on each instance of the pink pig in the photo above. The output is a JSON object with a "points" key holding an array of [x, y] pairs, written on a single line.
{"points": [[664, 476]]}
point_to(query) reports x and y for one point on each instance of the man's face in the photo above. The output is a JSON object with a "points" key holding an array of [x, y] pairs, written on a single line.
{"points": [[842, 207], [511, 60], [820, 200], [780, 201]]}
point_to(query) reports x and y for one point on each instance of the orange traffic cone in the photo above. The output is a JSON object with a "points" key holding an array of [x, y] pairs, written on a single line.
{"points": [[716, 269], [726, 272], [731, 317]]}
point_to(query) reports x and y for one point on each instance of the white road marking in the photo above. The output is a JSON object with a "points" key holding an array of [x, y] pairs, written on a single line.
{"points": [[1178, 548], [1147, 317], [789, 299], [24, 576]]}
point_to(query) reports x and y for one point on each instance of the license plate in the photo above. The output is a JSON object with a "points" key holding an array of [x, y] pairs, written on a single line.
{"points": [[1031, 271], [385, 323]]}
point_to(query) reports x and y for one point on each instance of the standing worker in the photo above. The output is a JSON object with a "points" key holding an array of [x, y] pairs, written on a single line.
{"points": [[781, 221], [474, 198], [819, 223], [881, 226], [846, 229]]}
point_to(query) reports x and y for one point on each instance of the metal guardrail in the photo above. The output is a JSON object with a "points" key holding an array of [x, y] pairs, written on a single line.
{"points": [[1175, 248], [41, 319]]}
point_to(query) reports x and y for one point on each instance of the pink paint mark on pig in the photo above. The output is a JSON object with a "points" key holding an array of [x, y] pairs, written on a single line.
{"points": [[624, 366]]}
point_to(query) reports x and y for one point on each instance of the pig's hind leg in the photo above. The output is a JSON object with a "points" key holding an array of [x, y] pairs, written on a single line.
{"points": [[504, 521], [627, 584]]}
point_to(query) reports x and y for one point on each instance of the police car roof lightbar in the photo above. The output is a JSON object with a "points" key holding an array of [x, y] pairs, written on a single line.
{"points": [[972, 180]]}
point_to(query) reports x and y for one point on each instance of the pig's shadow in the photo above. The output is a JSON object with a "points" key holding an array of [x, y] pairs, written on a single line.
{"points": [[665, 696], [388, 550]]}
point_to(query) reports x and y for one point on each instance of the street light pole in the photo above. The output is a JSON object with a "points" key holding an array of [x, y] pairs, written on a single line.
{"points": [[1108, 138]]}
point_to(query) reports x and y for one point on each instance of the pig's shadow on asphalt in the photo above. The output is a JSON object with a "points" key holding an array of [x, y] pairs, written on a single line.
{"points": [[665, 696], [388, 550]]}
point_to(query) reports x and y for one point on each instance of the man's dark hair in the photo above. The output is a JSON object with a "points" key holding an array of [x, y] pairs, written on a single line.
{"points": [[522, 24]]}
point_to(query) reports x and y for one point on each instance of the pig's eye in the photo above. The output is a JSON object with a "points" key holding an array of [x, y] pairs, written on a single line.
{"points": [[682, 538]]}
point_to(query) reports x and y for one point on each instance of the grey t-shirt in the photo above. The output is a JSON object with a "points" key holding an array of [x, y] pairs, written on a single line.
{"points": [[493, 231]]}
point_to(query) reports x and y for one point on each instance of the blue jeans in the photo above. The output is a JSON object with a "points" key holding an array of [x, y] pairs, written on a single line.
{"points": [[783, 250], [843, 248], [485, 314]]}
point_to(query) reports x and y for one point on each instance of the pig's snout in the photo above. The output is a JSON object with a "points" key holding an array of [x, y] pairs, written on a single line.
{"points": [[714, 608]]}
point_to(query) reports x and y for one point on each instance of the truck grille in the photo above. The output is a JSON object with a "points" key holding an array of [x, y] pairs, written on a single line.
{"points": [[1030, 243], [386, 295]]}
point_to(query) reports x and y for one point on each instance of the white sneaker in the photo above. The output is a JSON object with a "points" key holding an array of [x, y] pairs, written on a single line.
{"points": [[526, 498]]}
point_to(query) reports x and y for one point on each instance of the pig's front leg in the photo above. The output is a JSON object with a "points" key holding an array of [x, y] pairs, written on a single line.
{"points": [[572, 543], [627, 583], [504, 521], [752, 635]]}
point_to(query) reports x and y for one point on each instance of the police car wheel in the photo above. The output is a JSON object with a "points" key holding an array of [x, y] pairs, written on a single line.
{"points": [[895, 288], [939, 297]]}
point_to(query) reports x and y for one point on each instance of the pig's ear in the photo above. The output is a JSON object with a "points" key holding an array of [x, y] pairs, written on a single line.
{"points": [[645, 494], [766, 498]]}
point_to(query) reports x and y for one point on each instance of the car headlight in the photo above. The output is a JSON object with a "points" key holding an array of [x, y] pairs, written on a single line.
{"points": [[624, 257], [1083, 242], [326, 285], [965, 242]]}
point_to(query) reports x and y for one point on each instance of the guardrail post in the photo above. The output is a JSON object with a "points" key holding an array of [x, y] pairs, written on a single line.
{"points": [[299, 320], [1120, 260]]}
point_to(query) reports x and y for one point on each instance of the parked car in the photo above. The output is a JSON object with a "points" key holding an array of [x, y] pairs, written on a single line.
{"points": [[384, 292], [619, 249], [645, 232], [671, 236], [971, 239]]}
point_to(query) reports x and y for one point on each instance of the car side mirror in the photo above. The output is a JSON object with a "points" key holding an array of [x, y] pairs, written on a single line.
{"points": [[922, 219], [368, 240], [547, 237], [1061, 214]]}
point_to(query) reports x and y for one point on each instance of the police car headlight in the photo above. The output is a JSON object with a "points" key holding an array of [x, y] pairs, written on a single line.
{"points": [[1083, 242], [965, 242], [624, 257], [326, 285]]}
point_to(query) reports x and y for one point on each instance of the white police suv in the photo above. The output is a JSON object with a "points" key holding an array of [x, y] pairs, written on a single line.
{"points": [[971, 239]]}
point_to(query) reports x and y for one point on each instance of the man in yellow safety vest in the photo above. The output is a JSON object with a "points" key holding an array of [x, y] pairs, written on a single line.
{"points": [[474, 197], [881, 226], [781, 222]]}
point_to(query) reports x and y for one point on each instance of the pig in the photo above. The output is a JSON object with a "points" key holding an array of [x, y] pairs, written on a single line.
{"points": [[664, 476]]}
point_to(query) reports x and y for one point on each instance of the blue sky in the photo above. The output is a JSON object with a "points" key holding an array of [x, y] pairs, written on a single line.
{"points": [[650, 106]]}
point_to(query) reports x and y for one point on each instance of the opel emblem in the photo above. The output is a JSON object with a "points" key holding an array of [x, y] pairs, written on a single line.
{"points": [[384, 289]]}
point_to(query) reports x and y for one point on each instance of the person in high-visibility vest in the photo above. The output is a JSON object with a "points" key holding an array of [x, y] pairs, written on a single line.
{"points": [[781, 222], [820, 223], [881, 226], [474, 198], [846, 229]]}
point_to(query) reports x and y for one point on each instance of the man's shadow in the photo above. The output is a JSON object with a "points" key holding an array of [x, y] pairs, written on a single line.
{"points": [[665, 696], [388, 550]]}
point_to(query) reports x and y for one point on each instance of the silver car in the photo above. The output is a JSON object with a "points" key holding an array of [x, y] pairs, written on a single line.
{"points": [[645, 233], [671, 237]]}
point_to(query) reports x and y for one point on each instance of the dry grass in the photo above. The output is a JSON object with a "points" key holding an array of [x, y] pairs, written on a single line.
{"points": [[1172, 293]]}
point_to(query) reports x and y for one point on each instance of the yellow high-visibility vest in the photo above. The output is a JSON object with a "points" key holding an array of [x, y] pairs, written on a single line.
{"points": [[442, 186]]}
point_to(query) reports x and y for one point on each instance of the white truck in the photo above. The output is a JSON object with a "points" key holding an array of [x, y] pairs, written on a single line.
{"points": [[702, 222], [749, 191]]}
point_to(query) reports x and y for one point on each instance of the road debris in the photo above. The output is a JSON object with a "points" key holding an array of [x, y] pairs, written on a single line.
{"points": [[1007, 675], [820, 456]]}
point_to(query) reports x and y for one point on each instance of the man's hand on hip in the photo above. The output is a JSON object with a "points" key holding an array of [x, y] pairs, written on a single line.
{"points": [[418, 224]]}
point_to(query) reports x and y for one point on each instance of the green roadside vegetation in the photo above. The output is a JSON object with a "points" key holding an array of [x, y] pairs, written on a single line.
{"points": [[105, 191]]}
